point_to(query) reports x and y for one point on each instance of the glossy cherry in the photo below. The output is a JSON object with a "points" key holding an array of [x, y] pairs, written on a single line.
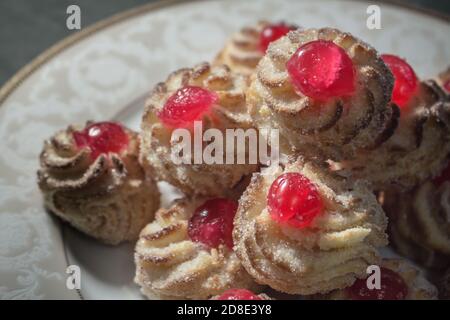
{"points": [[443, 176], [406, 82], [212, 223], [271, 33], [238, 294], [186, 105], [322, 70], [102, 137], [393, 287], [447, 85], [294, 199]]}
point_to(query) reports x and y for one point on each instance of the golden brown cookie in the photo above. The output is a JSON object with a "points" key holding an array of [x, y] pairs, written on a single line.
{"points": [[245, 48], [399, 280], [186, 253], [91, 178], [417, 150], [419, 225], [241, 52], [332, 127], [304, 230], [227, 111]]}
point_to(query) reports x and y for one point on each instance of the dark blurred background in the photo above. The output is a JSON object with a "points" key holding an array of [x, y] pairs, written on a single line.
{"points": [[28, 27]]}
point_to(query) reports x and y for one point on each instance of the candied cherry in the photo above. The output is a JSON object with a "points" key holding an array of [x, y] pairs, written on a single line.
{"points": [[238, 294], [102, 137], [393, 287], [322, 70], [443, 176], [406, 82], [212, 223], [186, 105], [294, 199], [271, 33], [447, 85]]}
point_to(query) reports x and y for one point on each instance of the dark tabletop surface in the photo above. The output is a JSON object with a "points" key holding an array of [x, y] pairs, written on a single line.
{"points": [[28, 27]]}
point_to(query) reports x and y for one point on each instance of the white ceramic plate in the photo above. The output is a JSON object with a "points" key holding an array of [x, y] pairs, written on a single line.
{"points": [[98, 73]]}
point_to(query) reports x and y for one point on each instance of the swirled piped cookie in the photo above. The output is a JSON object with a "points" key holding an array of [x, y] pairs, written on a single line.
{"points": [[302, 229], [326, 92], [420, 145], [399, 280], [91, 178], [419, 225], [187, 252], [197, 99], [245, 48]]}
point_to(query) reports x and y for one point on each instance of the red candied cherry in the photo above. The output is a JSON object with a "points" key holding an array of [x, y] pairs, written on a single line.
{"points": [[212, 223], [393, 287], [294, 199], [271, 33], [102, 137], [406, 82], [447, 85], [187, 105], [442, 177], [238, 294], [322, 70]]}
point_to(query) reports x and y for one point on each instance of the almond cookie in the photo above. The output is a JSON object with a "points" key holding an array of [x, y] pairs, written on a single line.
{"points": [[420, 145], [246, 47], [304, 230], [187, 252], [91, 178], [419, 225], [209, 97], [399, 280], [326, 92]]}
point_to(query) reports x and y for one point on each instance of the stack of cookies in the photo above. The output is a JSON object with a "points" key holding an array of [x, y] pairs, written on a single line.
{"points": [[361, 139]]}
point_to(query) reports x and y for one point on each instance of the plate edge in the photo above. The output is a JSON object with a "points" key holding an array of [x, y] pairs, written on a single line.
{"points": [[28, 69]]}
